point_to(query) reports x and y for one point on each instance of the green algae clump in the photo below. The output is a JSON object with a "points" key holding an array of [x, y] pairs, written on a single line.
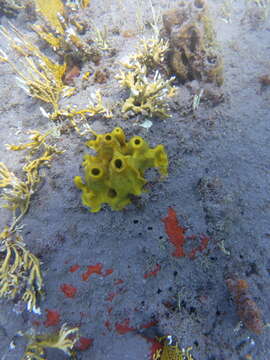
{"points": [[117, 170]]}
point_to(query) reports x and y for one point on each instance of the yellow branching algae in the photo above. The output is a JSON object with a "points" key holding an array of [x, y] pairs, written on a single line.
{"points": [[151, 52], [19, 271], [50, 10], [77, 116], [63, 340], [117, 170], [149, 90], [171, 351], [148, 96], [41, 78], [17, 193]]}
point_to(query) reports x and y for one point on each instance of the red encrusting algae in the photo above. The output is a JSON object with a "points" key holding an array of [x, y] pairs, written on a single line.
{"points": [[108, 325], [153, 272], [111, 296], [200, 248], [107, 272], [83, 343], [155, 346], [118, 281], [74, 268], [175, 232], [177, 237], [149, 324], [123, 327], [53, 318], [69, 290], [92, 269]]}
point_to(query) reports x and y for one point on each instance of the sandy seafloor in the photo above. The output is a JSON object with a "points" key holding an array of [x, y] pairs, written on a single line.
{"points": [[218, 184]]}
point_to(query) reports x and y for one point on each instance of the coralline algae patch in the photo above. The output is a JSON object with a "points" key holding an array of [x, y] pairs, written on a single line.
{"points": [[176, 235], [81, 276]]}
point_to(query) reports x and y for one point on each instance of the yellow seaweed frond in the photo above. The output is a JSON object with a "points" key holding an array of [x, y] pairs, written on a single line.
{"points": [[50, 10], [54, 41], [151, 52], [78, 117], [77, 4], [147, 96], [100, 38], [37, 140], [17, 193], [85, 3], [20, 273], [171, 350], [61, 340], [41, 78]]}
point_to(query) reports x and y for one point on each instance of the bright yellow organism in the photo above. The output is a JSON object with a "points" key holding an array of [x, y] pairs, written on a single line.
{"points": [[117, 171]]}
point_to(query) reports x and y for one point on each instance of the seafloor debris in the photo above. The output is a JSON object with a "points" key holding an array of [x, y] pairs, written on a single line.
{"points": [[64, 340], [247, 309], [117, 171], [193, 53]]}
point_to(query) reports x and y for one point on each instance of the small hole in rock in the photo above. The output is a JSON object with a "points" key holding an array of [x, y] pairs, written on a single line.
{"points": [[192, 310], [159, 291], [135, 221], [149, 228], [118, 163], [175, 273], [95, 171], [183, 304], [112, 193]]}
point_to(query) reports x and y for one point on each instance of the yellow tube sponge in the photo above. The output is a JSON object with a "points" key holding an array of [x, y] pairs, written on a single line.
{"points": [[117, 170]]}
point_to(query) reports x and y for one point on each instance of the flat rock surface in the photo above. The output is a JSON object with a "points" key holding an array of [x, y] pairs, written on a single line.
{"points": [[218, 185]]}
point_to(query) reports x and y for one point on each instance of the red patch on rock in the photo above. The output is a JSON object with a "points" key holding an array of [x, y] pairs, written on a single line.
{"points": [[83, 343], [153, 272], [107, 272], [200, 248], [123, 327], [74, 268], [92, 269], [149, 324], [53, 318], [118, 282], [177, 237], [69, 290], [108, 325], [111, 296], [175, 232], [155, 346]]}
